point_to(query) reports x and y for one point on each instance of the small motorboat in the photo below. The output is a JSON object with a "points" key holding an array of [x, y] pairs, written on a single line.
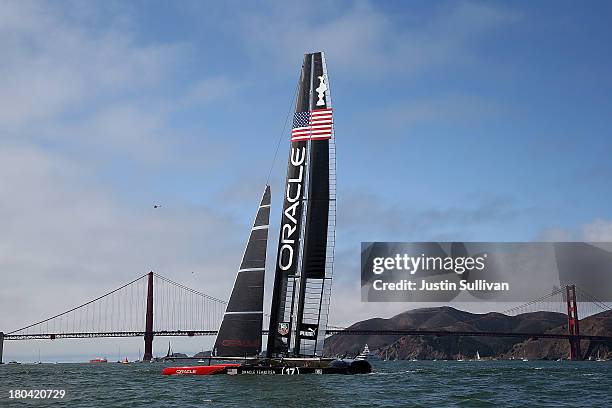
{"points": [[365, 353]]}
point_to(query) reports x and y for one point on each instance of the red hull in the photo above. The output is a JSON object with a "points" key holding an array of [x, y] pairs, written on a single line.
{"points": [[198, 370]]}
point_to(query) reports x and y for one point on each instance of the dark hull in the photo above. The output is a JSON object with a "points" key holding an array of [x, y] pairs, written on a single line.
{"points": [[356, 367], [276, 367]]}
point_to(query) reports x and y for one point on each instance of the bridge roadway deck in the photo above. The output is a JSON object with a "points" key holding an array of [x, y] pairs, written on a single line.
{"points": [[346, 332]]}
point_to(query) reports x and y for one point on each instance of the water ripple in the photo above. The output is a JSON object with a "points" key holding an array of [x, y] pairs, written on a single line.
{"points": [[392, 384]]}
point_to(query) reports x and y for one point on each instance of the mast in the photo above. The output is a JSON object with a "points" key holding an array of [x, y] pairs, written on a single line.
{"points": [[302, 284], [240, 332]]}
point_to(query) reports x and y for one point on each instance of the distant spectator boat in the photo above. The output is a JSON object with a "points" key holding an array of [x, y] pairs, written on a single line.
{"points": [[365, 353], [99, 360]]}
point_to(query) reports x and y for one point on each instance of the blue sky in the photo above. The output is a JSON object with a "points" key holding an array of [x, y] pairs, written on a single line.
{"points": [[454, 121]]}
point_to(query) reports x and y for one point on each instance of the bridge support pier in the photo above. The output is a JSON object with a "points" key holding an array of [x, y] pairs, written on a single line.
{"points": [[1, 345], [573, 328], [148, 337]]}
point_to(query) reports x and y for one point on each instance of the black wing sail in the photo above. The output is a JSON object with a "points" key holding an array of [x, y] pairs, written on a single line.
{"points": [[320, 228], [240, 332], [302, 283], [285, 281]]}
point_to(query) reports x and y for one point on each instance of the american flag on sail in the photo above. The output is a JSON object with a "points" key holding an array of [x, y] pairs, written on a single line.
{"points": [[314, 125]]}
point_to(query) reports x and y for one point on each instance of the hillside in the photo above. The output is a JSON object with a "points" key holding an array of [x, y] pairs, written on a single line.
{"points": [[448, 318], [597, 325]]}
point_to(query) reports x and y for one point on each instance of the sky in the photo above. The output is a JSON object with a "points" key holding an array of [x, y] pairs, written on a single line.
{"points": [[454, 120]]}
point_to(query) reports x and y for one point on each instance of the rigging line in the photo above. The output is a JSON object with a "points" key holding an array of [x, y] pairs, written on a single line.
{"points": [[78, 307], [189, 289], [280, 138]]}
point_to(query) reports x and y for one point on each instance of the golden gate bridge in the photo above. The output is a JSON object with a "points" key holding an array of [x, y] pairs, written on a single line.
{"points": [[153, 305]]}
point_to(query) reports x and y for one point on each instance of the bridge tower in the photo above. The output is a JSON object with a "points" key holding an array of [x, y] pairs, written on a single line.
{"points": [[573, 328], [1, 345], [148, 337]]}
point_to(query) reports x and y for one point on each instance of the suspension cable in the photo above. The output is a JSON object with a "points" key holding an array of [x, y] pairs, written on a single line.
{"points": [[78, 307]]}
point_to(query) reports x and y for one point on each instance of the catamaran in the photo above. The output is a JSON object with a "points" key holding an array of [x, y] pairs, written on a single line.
{"points": [[305, 256]]}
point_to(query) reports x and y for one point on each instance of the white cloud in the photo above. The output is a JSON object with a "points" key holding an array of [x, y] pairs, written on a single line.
{"points": [[73, 98], [67, 239], [363, 41], [599, 230], [70, 235], [50, 64]]}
